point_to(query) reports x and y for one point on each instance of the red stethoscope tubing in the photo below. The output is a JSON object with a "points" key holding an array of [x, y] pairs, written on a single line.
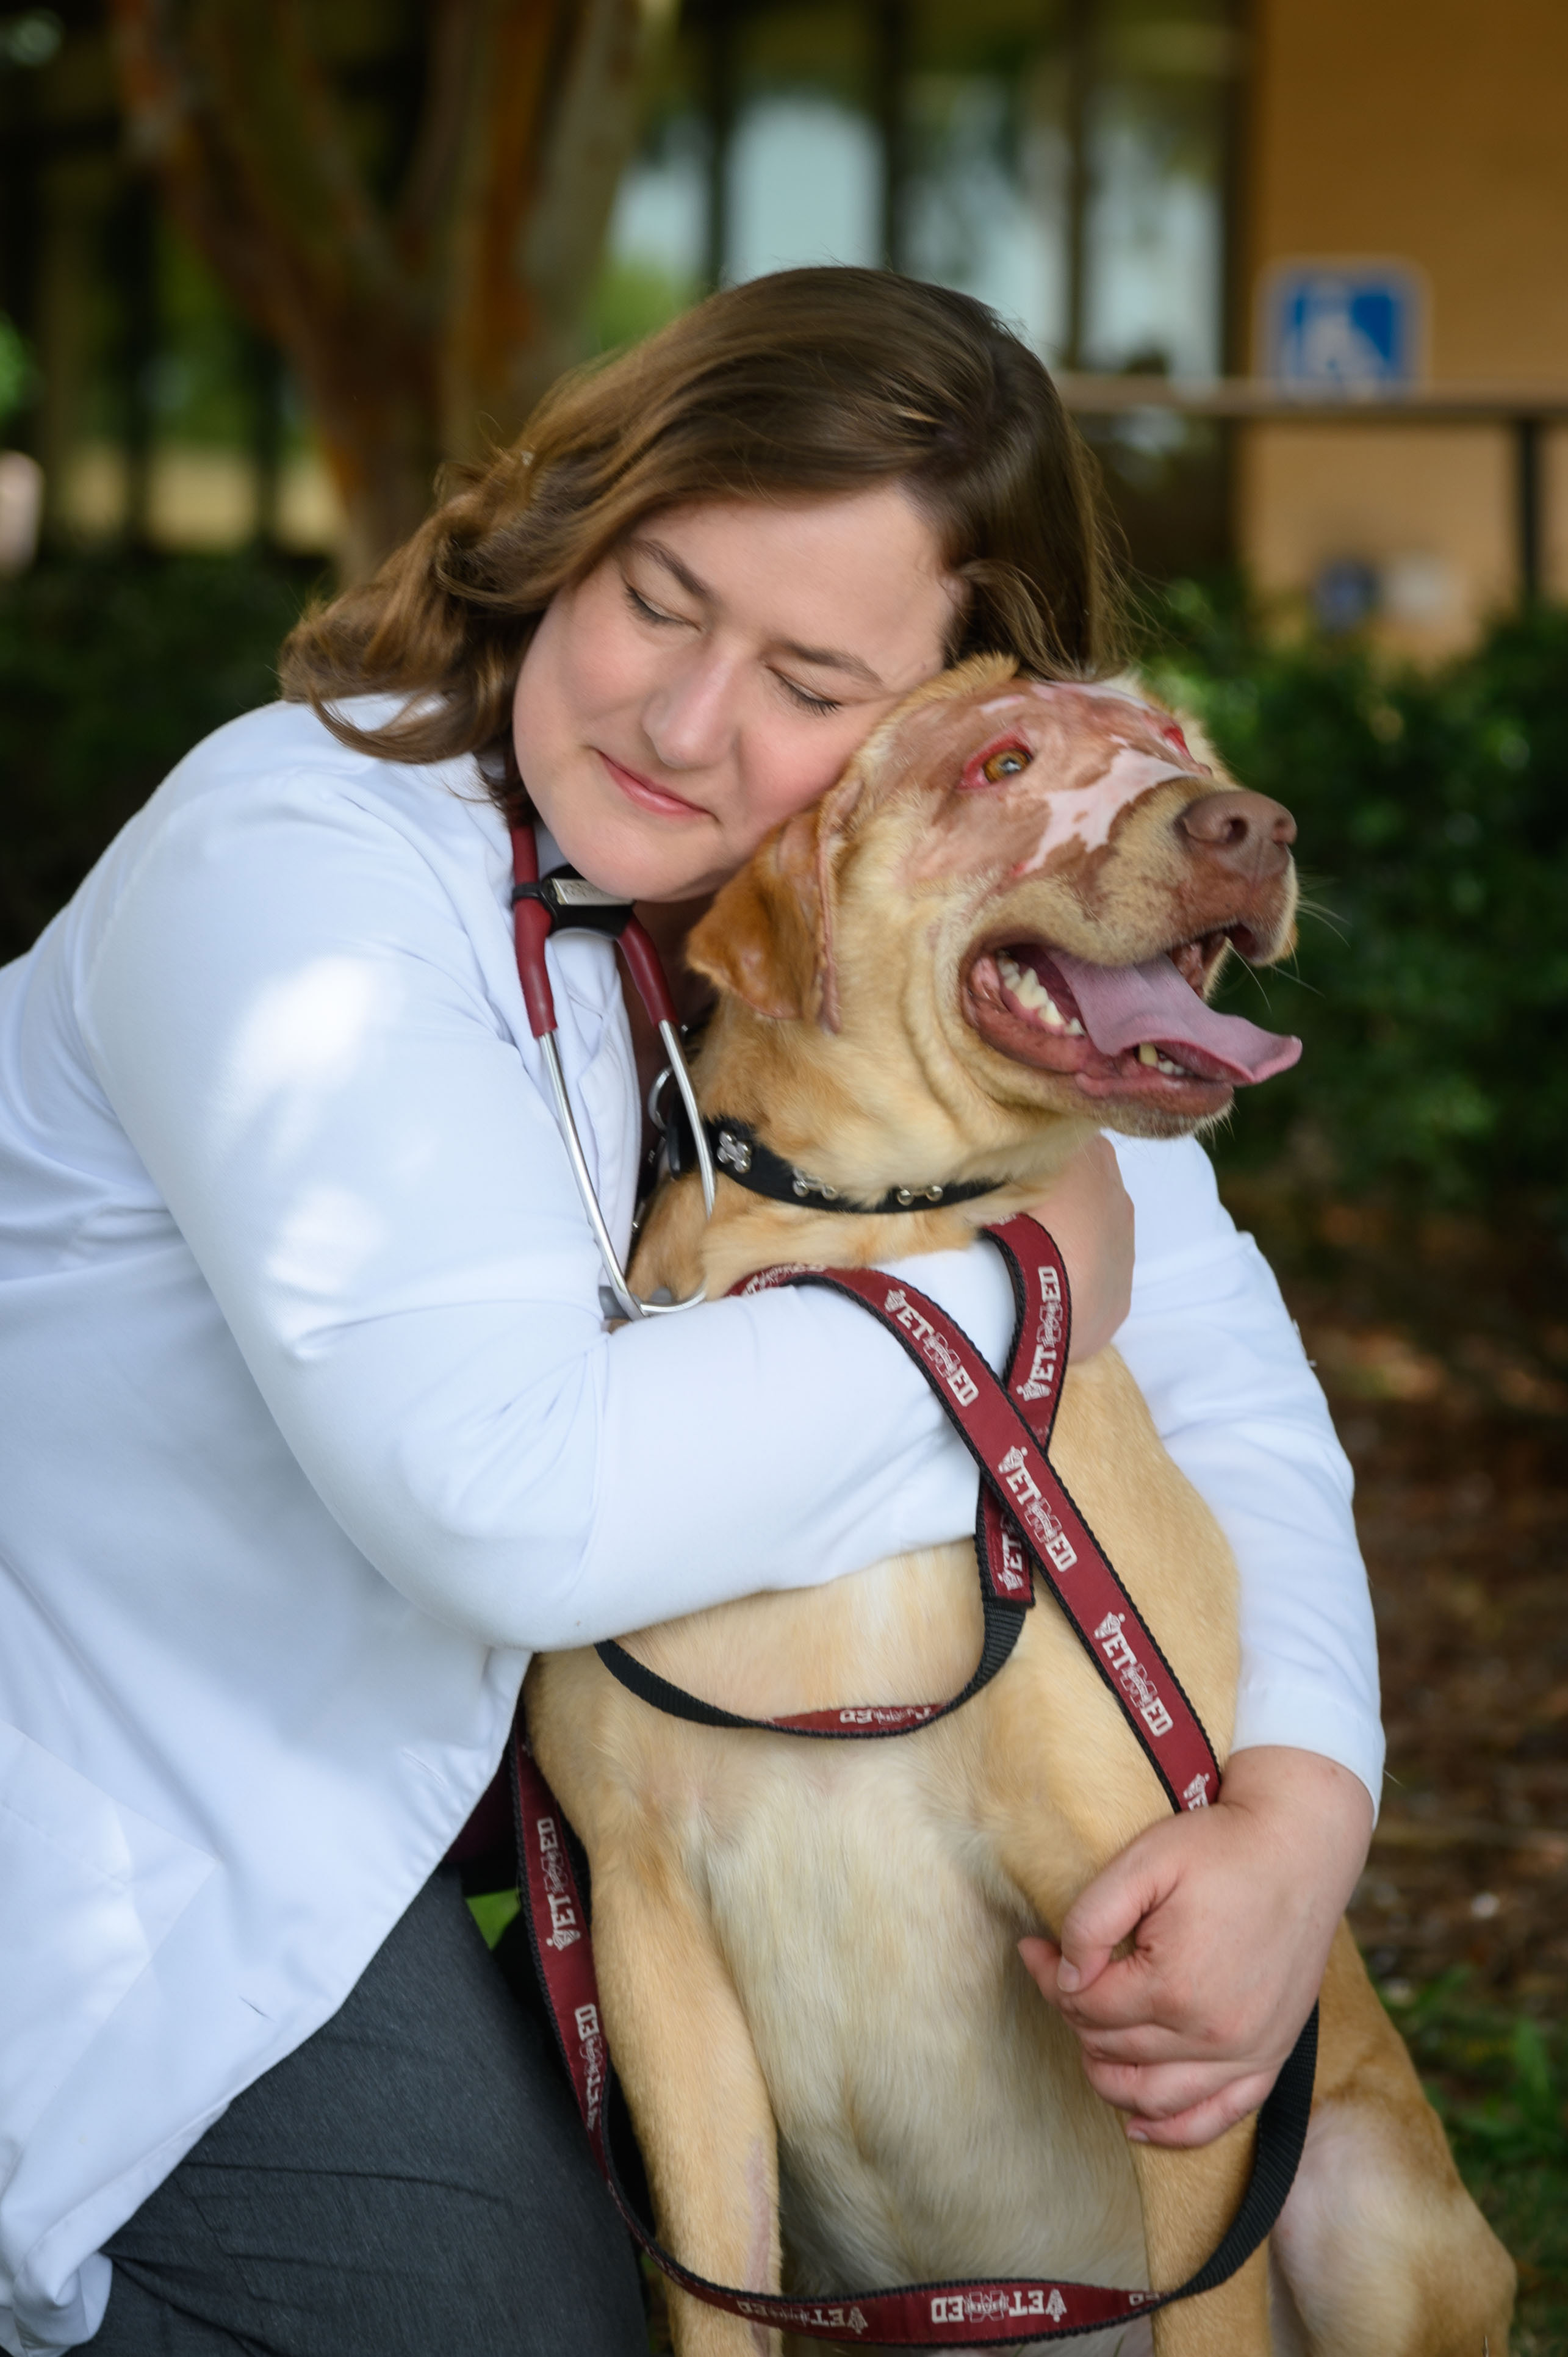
{"points": [[532, 923]]}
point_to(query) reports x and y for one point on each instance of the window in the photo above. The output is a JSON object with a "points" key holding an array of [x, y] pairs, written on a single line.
{"points": [[1066, 163]]}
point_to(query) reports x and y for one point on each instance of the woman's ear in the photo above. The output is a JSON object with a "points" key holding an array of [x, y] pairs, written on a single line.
{"points": [[762, 939]]}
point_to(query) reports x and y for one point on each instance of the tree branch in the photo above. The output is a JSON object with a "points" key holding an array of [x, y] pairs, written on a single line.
{"points": [[290, 153], [518, 304], [420, 334]]}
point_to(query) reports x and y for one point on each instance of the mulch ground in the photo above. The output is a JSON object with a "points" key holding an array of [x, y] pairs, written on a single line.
{"points": [[1444, 1349], [1443, 1345]]}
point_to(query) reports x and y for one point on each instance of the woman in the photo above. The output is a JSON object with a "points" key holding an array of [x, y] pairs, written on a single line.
{"points": [[314, 1431]]}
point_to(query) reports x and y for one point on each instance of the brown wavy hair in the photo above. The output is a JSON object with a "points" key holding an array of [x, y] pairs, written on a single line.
{"points": [[805, 384]]}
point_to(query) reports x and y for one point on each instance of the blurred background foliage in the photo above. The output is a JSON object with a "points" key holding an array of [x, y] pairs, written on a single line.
{"points": [[15, 368], [1430, 980], [1429, 983], [1499, 2082], [110, 671]]}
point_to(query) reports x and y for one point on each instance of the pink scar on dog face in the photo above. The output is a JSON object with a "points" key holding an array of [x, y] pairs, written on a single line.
{"points": [[1027, 786], [1082, 756]]}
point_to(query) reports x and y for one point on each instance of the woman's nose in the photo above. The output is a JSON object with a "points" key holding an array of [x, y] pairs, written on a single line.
{"points": [[689, 718]]}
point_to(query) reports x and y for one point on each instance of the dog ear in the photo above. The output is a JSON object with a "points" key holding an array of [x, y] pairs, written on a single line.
{"points": [[768, 937], [761, 941]]}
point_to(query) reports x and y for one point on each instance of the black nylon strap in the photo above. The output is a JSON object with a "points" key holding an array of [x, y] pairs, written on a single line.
{"points": [[1283, 2120], [1003, 1625], [1276, 2156], [742, 1156]]}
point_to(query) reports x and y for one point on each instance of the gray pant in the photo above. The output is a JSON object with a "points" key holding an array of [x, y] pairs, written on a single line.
{"points": [[413, 2179]]}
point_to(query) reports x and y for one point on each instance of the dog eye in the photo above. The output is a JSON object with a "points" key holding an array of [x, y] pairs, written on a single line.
{"points": [[995, 764]]}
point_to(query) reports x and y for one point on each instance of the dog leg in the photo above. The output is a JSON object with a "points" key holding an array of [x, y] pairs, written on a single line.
{"points": [[1385, 2254], [1054, 1838], [1189, 2197], [686, 2060]]}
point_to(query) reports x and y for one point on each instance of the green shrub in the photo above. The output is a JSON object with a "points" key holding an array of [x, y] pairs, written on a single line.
{"points": [[1430, 982], [109, 671], [1499, 2081], [15, 368]]}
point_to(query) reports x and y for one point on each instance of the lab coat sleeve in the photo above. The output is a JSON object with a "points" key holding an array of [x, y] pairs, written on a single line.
{"points": [[287, 1015], [1222, 1367], [286, 1012]]}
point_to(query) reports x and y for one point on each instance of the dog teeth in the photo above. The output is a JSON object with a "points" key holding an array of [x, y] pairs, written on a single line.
{"points": [[1149, 1054], [1024, 984], [1030, 991]]}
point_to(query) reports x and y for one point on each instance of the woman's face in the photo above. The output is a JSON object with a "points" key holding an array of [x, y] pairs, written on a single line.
{"points": [[713, 675]]}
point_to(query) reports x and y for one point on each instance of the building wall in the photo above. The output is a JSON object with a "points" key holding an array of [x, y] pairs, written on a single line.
{"points": [[1430, 131]]}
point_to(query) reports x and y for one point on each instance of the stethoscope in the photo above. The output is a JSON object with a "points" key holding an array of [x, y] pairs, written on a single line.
{"points": [[570, 902]]}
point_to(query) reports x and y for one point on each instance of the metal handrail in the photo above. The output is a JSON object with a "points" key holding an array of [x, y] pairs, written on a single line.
{"points": [[1525, 410], [1269, 400]]}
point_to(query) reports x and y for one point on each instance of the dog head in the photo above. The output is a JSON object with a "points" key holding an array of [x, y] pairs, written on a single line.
{"points": [[1016, 901]]}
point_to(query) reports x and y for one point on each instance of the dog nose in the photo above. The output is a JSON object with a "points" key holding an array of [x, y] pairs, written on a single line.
{"points": [[1246, 833]]}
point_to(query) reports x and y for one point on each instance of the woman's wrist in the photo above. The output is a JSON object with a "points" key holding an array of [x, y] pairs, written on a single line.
{"points": [[1320, 1809], [1090, 1213]]}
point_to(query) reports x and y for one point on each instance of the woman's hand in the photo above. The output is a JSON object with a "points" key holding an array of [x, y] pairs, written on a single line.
{"points": [[1230, 1911], [1090, 1213]]}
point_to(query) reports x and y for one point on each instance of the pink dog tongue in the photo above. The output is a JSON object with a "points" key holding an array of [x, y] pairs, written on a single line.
{"points": [[1123, 1005]]}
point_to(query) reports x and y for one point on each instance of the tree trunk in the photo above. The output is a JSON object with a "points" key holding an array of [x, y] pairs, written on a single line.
{"points": [[427, 327]]}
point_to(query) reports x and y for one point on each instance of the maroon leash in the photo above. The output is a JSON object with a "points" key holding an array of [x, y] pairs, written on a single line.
{"points": [[1025, 1513], [972, 2313], [1027, 1523]]}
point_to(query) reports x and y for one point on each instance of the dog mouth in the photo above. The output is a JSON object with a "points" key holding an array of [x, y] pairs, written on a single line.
{"points": [[1143, 1032]]}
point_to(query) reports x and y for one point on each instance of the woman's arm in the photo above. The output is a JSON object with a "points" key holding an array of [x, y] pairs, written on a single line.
{"points": [[1231, 1908], [1230, 1911], [1229, 1385], [296, 1027]]}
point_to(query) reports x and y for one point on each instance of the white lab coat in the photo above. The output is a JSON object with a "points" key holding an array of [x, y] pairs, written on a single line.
{"points": [[310, 1433]]}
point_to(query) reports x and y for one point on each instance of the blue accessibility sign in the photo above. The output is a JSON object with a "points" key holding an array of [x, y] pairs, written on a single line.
{"points": [[1346, 326]]}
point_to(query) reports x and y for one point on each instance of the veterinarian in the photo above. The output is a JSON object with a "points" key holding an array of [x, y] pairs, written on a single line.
{"points": [[312, 1429]]}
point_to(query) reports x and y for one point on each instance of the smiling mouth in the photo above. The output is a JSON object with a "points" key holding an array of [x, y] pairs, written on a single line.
{"points": [[647, 796], [1143, 1032]]}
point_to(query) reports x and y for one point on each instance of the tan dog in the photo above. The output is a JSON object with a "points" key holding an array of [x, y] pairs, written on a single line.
{"points": [[839, 2074]]}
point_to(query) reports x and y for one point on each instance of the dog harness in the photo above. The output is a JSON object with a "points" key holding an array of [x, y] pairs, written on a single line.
{"points": [[1007, 1430], [1027, 1525]]}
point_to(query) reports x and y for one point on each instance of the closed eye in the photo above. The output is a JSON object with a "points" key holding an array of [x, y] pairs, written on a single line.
{"points": [[803, 696], [646, 611]]}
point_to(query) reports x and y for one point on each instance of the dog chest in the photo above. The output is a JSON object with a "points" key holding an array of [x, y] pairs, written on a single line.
{"points": [[932, 2114]]}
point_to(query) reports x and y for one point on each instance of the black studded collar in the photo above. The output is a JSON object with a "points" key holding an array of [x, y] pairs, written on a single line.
{"points": [[742, 1156]]}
